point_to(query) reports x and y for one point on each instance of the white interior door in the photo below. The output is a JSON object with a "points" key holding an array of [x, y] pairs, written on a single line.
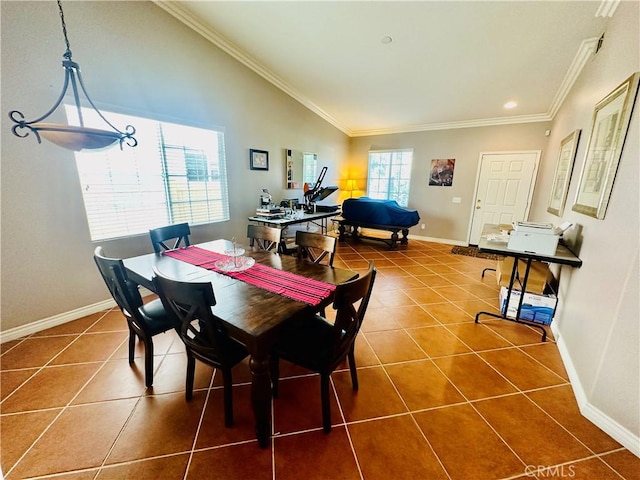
{"points": [[503, 190]]}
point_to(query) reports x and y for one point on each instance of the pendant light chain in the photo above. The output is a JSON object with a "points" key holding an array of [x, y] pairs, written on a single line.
{"points": [[66, 54]]}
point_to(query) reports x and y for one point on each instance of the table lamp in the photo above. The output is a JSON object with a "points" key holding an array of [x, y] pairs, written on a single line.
{"points": [[351, 187]]}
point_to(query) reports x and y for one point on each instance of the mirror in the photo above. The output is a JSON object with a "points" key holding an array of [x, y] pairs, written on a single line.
{"points": [[300, 168]]}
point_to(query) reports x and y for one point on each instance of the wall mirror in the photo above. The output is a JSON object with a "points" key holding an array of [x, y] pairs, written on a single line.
{"points": [[300, 168]]}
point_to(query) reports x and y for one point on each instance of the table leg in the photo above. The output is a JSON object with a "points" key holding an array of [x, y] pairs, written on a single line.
{"points": [[261, 397]]}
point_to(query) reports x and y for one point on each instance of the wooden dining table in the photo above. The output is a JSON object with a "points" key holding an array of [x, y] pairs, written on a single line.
{"points": [[253, 315]]}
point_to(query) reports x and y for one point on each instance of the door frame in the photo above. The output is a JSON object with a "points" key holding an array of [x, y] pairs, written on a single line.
{"points": [[534, 176]]}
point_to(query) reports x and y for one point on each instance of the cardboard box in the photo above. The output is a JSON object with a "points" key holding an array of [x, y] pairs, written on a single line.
{"points": [[535, 308], [539, 275]]}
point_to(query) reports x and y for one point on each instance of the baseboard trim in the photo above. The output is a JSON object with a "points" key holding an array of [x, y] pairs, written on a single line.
{"points": [[420, 238], [621, 434]]}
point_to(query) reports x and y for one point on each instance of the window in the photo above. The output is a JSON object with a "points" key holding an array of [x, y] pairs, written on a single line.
{"points": [[177, 173], [389, 175]]}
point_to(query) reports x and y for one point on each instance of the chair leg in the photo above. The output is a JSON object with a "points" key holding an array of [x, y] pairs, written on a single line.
{"points": [[148, 362], [352, 368], [228, 396], [132, 345], [191, 371], [274, 366], [326, 405]]}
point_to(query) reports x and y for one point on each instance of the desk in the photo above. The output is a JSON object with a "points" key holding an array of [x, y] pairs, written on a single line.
{"points": [[562, 256], [253, 315], [320, 219]]}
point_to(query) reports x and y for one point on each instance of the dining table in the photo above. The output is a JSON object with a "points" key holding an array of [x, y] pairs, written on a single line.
{"points": [[253, 315]]}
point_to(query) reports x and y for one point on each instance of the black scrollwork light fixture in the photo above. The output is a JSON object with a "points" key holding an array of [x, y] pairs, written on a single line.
{"points": [[72, 137]]}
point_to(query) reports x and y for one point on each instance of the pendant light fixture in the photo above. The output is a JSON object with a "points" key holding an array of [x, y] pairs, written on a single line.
{"points": [[72, 137]]}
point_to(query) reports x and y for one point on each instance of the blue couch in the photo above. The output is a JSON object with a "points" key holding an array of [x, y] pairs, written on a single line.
{"points": [[370, 213]]}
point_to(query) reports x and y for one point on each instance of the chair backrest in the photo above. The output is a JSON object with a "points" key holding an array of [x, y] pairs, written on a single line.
{"points": [[349, 316], [262, 237], [178, 232], [123, 291], [189, 305], [316, 248]]}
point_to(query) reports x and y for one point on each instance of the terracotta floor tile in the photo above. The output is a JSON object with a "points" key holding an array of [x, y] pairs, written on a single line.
{"points": [[414, 316], [88, 432], [437, 341], [170, 467], [242, 462], [34, 352], [455, 293], [361, 404], [474, 452], [378, 319], [560, 403], [472, 307], [298, 406], [520, 369], [212, 431], [19, 431], [394, 448], [50, 387], [482, 291], [447, 312], [591, 469], [473, 377], [547, 353], [74, 327], [171, 374], [112, 321], [433, 280], [159, 425], [534, 436], [91, 347], [516, 333], [396, 298], [625, 463], [477, 337], [323, 457], [12, 379], [417, 270], [422, 385], [394, 346], [116, 379], [425, 295]]}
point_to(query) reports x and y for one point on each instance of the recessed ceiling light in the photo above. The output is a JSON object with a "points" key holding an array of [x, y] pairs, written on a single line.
{"points": [[386, 40], [510, 105]]}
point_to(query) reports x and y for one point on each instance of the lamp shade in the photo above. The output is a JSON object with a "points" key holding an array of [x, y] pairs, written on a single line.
{"points": [[351, 186]]}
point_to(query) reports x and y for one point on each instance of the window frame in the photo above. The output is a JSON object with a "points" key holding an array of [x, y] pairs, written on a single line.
{"points": [[398, 189]]}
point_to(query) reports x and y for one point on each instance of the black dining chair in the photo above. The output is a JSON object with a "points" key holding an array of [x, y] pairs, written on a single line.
{"points": [[145, 320], [321, 346], [315, 247], [178, 232], [262, 237], [204, 336]]}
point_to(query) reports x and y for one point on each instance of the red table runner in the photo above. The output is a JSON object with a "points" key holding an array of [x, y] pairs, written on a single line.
{"points": [[288, 284]]}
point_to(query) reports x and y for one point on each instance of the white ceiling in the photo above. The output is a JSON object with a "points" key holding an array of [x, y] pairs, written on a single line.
{"points": [[451, 63]]}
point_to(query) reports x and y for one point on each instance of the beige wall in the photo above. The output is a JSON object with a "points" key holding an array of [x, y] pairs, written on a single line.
{"points": [[137, 57], [599, 316], [443, 219]]}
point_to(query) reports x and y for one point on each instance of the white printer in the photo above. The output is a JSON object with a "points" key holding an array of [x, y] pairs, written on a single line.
{"points": [[531, 237]]}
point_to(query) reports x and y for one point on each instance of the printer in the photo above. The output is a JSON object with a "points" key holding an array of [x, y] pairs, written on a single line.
{"points": [[531, 237]]}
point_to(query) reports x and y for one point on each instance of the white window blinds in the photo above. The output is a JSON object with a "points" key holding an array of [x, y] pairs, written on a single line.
{"points": [[389, 175], [177, 173]]}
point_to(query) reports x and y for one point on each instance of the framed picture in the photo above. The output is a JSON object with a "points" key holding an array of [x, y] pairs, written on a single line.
{"points": [[564, 167], [610, 124], [258, 159]]}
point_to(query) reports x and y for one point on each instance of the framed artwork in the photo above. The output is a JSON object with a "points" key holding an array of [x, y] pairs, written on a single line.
{"points": [[441, 173], [564, 167], [608, 131], [258, 159]]}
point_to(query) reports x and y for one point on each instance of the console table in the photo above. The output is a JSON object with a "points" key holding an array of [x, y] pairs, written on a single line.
{"points": [[562, 256]]}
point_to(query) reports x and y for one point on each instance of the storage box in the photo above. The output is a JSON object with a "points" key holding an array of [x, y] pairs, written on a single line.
{"points": [[539, 275], [535, 308], [540, 243]]}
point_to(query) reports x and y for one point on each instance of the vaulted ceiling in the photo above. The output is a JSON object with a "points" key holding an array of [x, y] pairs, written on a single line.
{"points": [[373, 67]]}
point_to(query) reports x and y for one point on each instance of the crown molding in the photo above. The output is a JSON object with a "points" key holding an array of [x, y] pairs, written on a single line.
{"points": [[607, 8], [585, 51]]}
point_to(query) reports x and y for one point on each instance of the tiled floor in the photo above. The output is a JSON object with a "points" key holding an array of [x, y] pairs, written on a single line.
{"points": [[440, 397]]}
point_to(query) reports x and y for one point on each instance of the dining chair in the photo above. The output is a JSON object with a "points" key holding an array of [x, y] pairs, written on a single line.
{"points": [[262, 237], [178, 232], [204, 336], [321, 346], [145, 320], [316, 248]]}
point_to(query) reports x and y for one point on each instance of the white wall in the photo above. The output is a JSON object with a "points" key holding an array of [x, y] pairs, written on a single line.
{"points": [[138, 59], [599, 317]]}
